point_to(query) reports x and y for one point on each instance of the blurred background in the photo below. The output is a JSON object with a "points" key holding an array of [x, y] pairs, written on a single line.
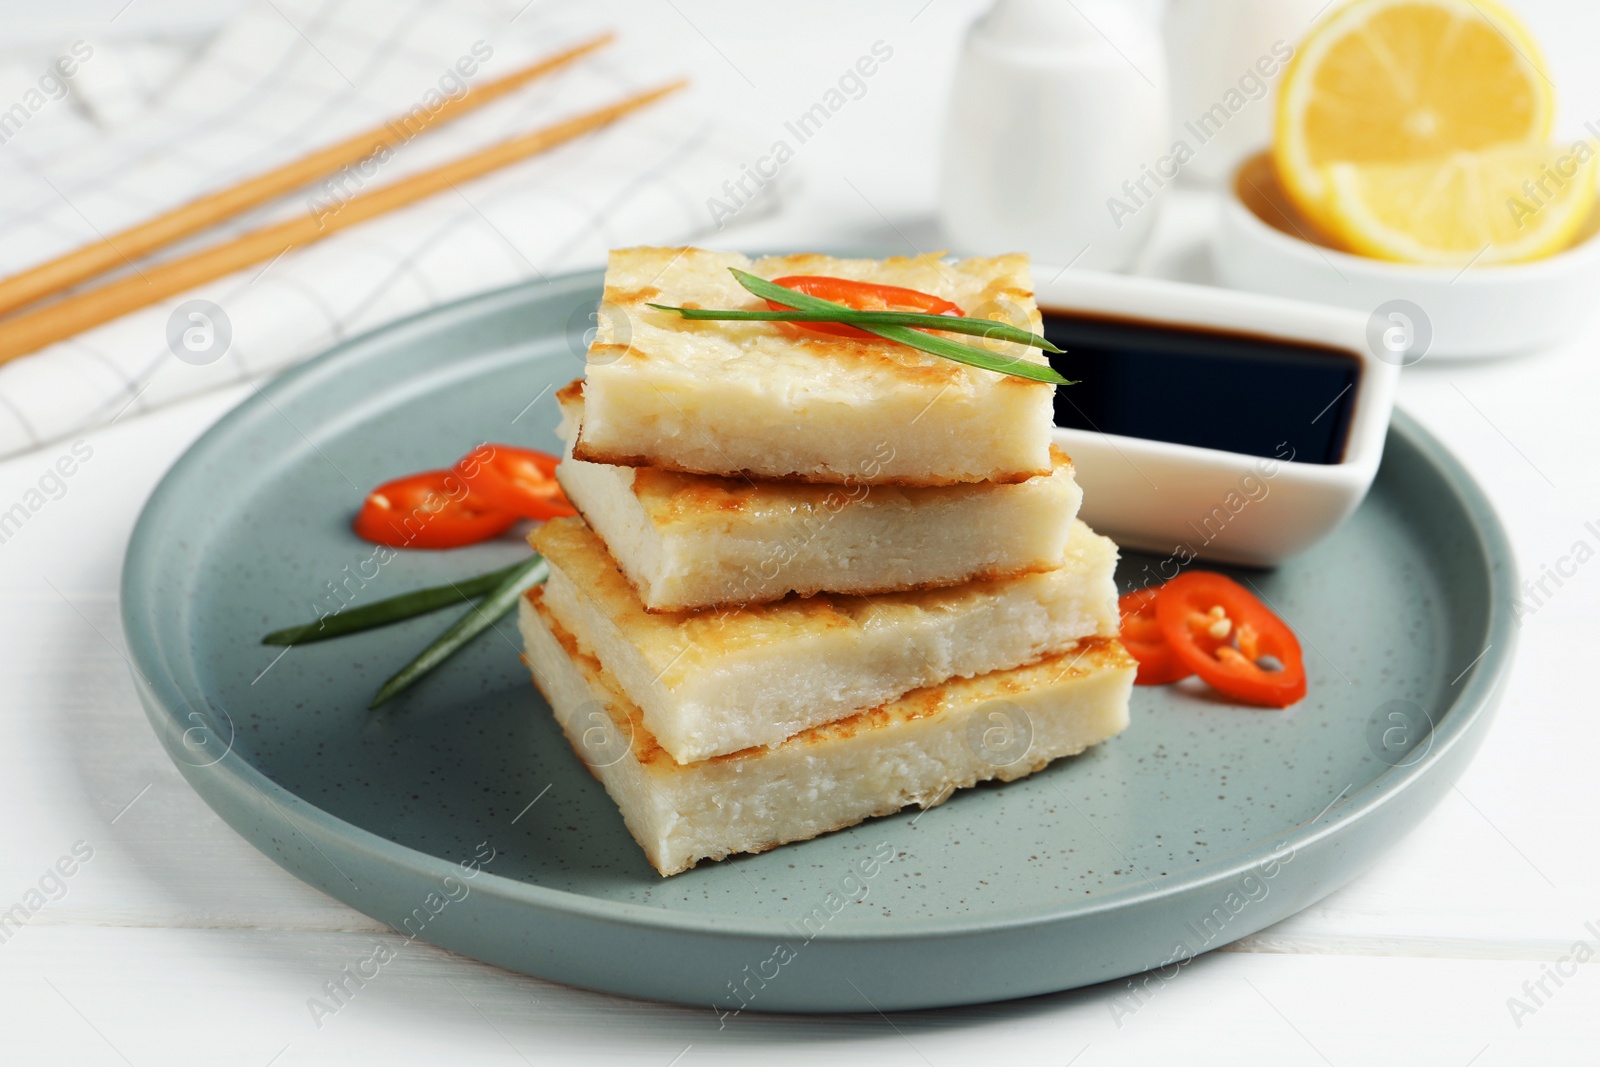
{"points": [[175, 99]]}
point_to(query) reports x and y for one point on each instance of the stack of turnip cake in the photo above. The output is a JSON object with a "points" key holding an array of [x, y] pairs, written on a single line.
{"points": [[816, 578]]}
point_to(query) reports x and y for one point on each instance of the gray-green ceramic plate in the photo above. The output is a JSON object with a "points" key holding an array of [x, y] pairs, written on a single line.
{"points": [[1200, 824]]}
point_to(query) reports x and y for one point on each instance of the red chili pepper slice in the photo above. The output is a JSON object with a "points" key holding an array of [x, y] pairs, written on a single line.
{"points": [[519, 480], [863, 296], [431, 509], [1141, 636], [1219, 630]]}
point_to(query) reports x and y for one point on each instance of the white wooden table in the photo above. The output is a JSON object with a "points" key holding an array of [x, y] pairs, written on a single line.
{"points": [[177, 943]]}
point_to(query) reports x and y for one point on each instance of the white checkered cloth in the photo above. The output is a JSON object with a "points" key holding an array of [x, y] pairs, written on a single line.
{"points": [[288, 76]]}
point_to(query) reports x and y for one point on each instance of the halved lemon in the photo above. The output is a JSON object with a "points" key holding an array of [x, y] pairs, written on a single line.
{"points": [[1501, 205], [1395, 81]]}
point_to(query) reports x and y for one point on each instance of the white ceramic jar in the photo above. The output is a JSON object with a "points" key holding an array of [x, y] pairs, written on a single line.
{"points": [[1055, 133]]}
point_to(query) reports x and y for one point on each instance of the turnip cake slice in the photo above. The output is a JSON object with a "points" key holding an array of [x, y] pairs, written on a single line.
{"points": [[915, 750], [714, 682], [700, 540], [774, 400]]}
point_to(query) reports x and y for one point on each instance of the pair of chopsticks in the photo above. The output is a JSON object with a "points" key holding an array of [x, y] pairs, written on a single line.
{"points": [[31, 330]]}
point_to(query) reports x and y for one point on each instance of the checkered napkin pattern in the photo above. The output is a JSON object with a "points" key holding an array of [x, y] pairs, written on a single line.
{"points": [[286, 77]]}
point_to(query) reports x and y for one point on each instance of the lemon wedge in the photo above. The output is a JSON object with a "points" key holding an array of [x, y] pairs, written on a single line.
{"points": [[1502, 205], [1398, 81]]}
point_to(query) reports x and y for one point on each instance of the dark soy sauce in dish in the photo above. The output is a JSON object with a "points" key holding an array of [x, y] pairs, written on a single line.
{"points": [[1192, 386]]}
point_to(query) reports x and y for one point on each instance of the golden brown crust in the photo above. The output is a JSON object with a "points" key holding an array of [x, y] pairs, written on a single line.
{"points": [[693, 494], [888, 355], [616, 352], [688, 277], [644, 294], [616, 459], [991, 575]]}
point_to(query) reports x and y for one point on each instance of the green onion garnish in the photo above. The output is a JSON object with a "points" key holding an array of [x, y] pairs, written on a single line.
{"points": [[478, 618], [985, 328], [391, 610], [911, 338]]}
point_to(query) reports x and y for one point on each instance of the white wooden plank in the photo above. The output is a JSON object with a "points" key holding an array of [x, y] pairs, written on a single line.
{"points": [[241, 997]]}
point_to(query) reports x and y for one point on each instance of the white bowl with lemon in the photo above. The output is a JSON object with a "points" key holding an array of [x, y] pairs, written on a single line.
{"points": [[1441, 193]]}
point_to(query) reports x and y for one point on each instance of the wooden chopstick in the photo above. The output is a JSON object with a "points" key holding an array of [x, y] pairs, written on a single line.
{"points": [[92, 260], [32, 330]]}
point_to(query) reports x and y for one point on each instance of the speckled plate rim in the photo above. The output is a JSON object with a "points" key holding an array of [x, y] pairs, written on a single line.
{"points": [[232, 784]]}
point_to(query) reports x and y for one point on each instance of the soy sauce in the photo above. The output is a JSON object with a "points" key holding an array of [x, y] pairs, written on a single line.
{"points": [[1191, 386]]}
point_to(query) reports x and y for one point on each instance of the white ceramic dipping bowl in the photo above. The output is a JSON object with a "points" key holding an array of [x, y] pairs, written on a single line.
{"points": [[1182, 501]]}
